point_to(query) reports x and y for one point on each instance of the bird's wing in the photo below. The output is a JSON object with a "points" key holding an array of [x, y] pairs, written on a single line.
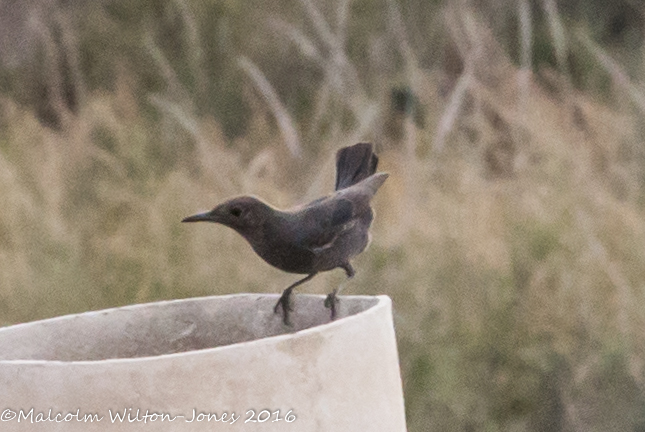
{"points": [[323, 221]]}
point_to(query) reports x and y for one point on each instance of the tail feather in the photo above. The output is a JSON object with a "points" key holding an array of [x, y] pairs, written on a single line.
{"points": [[354, 163]]}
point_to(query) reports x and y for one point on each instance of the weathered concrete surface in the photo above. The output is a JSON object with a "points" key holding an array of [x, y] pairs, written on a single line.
{"points": [[214, 355]]}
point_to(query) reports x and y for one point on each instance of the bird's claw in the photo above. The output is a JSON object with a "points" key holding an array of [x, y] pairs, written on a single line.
{"points": [[330, 303], [284, 302]]}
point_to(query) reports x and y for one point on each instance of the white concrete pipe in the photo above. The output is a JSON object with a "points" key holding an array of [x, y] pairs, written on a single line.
{"points": [[214, 364]]}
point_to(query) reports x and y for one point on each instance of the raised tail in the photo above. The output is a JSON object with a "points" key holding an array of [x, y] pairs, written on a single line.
{"points": [[354, 163]]}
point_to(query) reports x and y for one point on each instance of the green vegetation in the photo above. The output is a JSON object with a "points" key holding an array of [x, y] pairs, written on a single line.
{"points": [[510, 235]]}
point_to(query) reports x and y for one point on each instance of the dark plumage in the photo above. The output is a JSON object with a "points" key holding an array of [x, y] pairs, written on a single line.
{"points": [[320, 236]]}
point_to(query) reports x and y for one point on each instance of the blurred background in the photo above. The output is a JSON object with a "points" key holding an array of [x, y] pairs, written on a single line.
{"points": [[510, 234]]}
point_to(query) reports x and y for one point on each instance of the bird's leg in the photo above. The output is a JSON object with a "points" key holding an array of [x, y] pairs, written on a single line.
{"points": [[284, 300], [330, 303], [332, 298]]}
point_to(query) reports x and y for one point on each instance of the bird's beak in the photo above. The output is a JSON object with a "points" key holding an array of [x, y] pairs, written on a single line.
{"points": [[200, 217]]}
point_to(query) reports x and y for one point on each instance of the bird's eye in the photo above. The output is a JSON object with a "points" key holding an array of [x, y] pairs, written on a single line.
{"points": [[236, 211]]}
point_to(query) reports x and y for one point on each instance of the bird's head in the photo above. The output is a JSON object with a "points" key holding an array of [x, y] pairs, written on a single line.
{"points": [[243, 214]]}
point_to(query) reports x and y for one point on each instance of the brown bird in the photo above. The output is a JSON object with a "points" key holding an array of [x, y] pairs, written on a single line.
{"points": [[320, 236]]}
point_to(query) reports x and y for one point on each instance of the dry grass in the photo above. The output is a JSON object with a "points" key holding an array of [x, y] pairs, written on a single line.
{"points": [[510, 235]]}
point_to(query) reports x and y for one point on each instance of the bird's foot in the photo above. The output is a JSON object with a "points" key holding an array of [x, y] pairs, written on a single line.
{"points": [[330, 303], [284, 302]]}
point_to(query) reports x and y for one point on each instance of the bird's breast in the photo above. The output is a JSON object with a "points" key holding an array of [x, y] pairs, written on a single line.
{"points": [[287, 257], [276, 245]]}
